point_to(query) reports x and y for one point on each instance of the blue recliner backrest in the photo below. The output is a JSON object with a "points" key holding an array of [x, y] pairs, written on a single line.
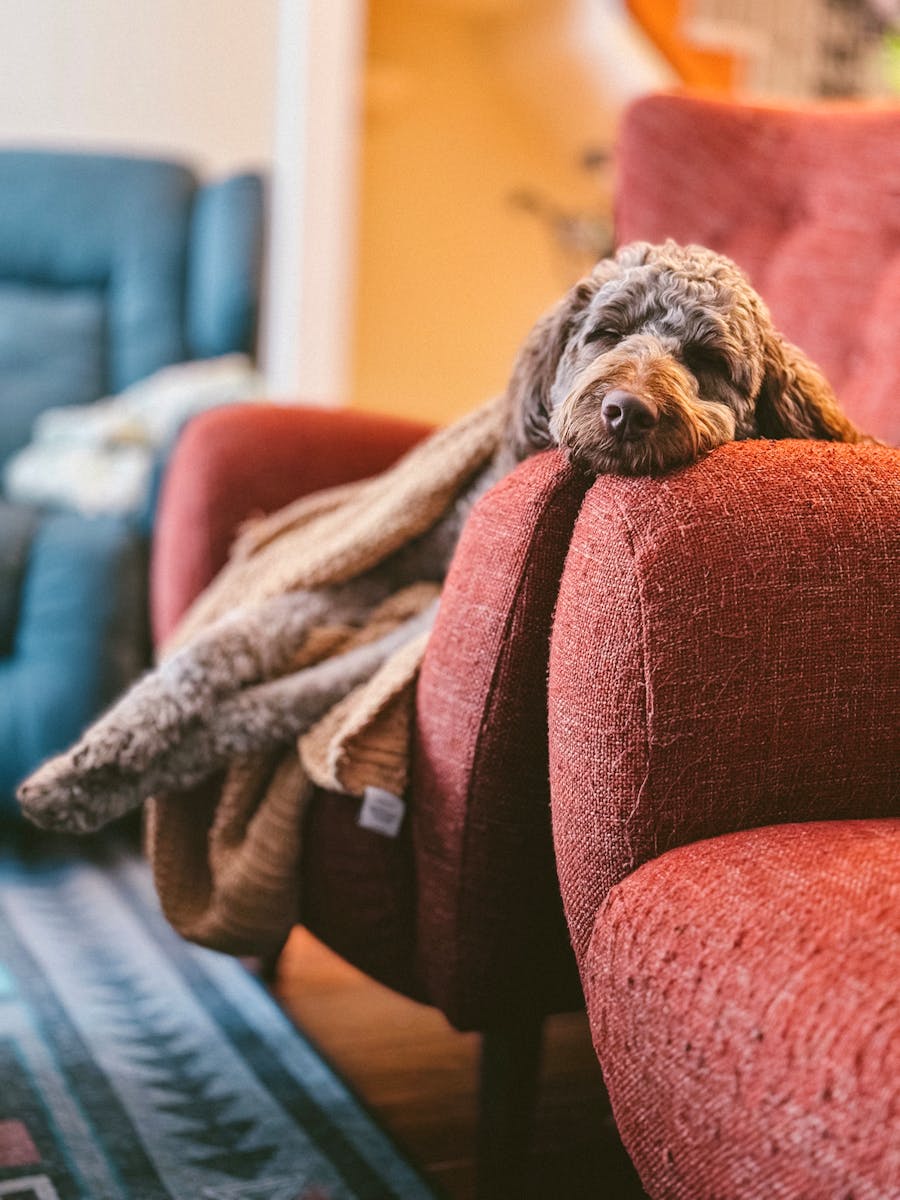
{"points": [[111, 268], [224, 267]]}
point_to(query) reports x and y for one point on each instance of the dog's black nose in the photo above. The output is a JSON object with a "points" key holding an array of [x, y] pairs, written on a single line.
{"points": [[627, 415]]}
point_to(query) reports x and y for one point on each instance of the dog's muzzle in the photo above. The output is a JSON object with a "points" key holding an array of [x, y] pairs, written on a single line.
{"points": [[627, 417]]}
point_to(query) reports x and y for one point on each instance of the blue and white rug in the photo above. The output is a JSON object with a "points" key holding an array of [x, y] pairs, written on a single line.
{"points": [[134, 1066]]}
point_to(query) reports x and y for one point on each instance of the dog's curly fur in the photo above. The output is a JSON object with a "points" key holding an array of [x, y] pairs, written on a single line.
{"points": [[681, 330]]}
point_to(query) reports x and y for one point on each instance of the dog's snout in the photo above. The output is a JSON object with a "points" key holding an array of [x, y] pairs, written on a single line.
{"points": [[627, 415]]}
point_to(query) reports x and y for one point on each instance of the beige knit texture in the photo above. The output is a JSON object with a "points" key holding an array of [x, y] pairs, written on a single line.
{"points": [[364, 740], [227, 856], [338, 534]]}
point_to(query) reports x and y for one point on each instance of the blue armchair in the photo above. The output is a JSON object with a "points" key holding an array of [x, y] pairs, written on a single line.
{"points": [[110, 269]]}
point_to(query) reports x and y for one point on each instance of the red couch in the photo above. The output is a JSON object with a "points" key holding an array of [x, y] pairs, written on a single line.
{"points": [[725, 657], [724, 702], [463, 909]]}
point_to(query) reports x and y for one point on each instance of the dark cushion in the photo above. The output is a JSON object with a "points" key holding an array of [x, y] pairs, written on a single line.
{"points": [[52, 352], [224, 267], [743, 1001], [358, 891], [724, 655], [79, 640]]}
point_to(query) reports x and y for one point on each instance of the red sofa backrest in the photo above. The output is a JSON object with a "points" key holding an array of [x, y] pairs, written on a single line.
{"points": [[807, 201]]}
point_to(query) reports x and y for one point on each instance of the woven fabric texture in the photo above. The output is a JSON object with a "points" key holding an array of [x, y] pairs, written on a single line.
{"points": [[228, 466], [364, 740], [490, 935], [743, 1001], [393, 906], [807, 201], [724, 656], [226, 855]]}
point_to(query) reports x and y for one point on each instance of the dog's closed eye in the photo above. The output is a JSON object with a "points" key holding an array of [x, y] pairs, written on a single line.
{"points": [[699, 357], [602, 333]]}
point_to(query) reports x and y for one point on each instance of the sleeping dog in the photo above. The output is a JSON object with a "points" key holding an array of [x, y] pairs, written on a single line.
{"points": [[655, 358]]}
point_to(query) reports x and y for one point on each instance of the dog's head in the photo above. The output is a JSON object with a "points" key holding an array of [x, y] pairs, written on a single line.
{"points": [[658, 356]]}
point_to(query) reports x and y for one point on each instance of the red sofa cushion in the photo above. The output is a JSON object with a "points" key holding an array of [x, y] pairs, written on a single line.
{"points": [[724, 655], [743, 1000], [807, 201]]}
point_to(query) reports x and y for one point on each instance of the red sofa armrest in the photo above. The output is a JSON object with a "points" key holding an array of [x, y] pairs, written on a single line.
{"points": [[248, 459], [490, 934], [724, 656]]}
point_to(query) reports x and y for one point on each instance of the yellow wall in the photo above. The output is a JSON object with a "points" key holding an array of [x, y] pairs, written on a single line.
{"points": [[450, 274]]}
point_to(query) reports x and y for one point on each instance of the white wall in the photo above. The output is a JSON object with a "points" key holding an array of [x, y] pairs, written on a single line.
{"points": [[313, 214], [194, 79], [223, 85]]}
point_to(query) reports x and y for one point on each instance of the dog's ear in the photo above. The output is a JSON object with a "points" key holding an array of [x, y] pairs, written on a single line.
{"points": [[528, 393], [796, 400]]}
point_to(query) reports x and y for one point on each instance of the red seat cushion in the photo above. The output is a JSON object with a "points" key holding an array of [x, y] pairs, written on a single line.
{"points": [[743, 1000], [807, 201]]}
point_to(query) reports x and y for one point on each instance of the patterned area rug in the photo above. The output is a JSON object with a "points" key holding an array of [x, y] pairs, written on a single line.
{"points": [[136, 1067]]}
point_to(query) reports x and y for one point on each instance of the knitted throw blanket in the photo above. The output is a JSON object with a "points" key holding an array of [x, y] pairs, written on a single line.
{"points": [[295, 667]]}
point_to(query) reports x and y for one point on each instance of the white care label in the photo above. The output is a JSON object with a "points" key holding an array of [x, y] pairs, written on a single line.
{"points": [[382, 812]]}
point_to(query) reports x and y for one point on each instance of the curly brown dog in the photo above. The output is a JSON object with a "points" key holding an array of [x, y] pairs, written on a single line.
{"points": [[658, 356]]}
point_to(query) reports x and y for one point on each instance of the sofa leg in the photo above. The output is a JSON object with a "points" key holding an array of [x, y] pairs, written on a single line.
{"points": [[510, 1063]]}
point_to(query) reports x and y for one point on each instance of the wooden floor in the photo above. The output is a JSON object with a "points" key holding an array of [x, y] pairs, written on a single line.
{"points": [[418, 1075]]}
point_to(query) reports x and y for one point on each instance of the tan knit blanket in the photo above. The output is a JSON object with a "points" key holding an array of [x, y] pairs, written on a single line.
{"points": [[296, 667]]}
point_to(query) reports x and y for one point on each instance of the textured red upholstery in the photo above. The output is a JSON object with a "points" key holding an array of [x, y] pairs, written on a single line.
{"points": [[236, 462], [490, 931], [743, 999], [769, 567], [807, 200], [724, 655]]}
